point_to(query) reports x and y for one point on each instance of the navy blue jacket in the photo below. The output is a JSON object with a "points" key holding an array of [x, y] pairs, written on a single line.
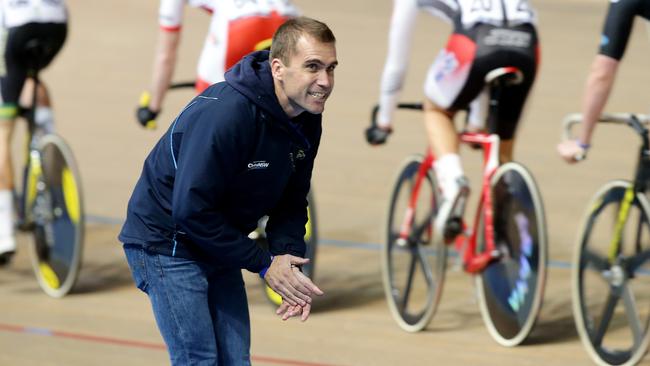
{"points": [[230, 157]]}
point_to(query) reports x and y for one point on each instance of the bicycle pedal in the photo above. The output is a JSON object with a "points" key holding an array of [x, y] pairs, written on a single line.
{"points": [[453, 228]]}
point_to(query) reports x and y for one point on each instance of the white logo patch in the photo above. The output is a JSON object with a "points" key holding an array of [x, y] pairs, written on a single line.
{"points": [[260, 164]]}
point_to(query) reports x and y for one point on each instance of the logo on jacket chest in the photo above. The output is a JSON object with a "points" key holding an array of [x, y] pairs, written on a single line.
{"points": [[259, 164]]}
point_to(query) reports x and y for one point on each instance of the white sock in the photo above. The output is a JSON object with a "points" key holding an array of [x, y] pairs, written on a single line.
{"points": [[45, 119], [448, 169], [7, 238]]}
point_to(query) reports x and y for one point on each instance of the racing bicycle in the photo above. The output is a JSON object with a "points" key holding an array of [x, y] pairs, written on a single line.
{"points": [[505, 251], [611, 262], [259, 234], [49, 201]]}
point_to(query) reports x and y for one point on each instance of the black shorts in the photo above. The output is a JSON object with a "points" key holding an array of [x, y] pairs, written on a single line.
{"points": [[456, 78], [19, 63], [618, 25]]}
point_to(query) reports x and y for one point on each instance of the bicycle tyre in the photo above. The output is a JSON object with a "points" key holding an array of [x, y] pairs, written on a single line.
{"points": [[607, 305], [311, 241], [511, 289], [57, 212], [411, 303]]}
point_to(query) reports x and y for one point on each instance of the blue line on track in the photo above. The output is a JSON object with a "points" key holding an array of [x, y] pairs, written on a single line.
{"points": [[96, 219]]}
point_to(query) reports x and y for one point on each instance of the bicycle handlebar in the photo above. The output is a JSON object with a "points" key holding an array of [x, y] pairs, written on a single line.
{"points": [[182, 85], [411, 106], [637, 122]]}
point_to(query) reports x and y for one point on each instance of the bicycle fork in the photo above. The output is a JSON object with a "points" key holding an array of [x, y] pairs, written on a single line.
{"points": [[406, 235]]}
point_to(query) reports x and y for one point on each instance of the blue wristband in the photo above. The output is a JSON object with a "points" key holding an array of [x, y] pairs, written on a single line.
{"points": [[583, 145], [263, 271]]}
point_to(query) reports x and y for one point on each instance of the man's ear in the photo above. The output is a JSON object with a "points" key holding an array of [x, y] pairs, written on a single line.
{"points": [[277, 69]]}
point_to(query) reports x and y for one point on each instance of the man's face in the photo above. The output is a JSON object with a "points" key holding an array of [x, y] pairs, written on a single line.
{"points": [[307, 81]]}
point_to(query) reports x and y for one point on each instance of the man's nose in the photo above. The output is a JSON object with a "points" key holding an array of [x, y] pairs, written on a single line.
{"points": [[325, 79]]}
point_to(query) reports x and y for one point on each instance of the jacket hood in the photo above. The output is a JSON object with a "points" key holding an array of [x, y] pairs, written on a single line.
{"points": [[252, 77]]}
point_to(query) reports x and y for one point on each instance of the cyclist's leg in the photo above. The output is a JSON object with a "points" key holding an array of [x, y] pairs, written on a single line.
{"points": [[512, 101], [44, 117], [7, 235], [477, 112], [513, 98], [448, 89], [11, 83], [52, 36]]}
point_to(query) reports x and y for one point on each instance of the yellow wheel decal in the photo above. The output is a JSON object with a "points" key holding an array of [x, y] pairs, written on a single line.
{"points": [[273, 296], [71, 195], [32, 177], [47, 273]]}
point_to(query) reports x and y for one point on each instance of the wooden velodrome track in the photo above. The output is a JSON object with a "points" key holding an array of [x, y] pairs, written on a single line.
{"points": [[95, 84]]}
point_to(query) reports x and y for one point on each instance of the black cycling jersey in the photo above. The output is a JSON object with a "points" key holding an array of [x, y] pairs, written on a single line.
{"points": [[618, 25]]}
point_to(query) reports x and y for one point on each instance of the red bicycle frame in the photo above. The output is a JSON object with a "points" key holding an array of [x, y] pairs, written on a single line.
{"points": [[473, 261]]}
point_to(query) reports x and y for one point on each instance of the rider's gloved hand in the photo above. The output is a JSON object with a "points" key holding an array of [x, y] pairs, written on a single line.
{"points": [[376, 135], [146, 117], [572, 151]]}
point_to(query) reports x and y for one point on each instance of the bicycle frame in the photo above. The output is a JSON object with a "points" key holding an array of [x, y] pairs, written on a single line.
{"points": [[473, 261]]}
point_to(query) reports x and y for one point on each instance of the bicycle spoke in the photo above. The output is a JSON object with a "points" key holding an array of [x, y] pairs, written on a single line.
{"points": [[636, 261], [418, 230], [409, 280], [426, 269], [608, 312], [629, 304], [594, 261]]}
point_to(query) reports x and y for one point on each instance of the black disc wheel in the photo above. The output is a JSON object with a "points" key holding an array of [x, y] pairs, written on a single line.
{"points": [[511, 289]]}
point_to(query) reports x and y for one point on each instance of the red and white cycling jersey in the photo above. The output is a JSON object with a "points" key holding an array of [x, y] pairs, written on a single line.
{"points": [[16, 13], [462, 14], [170, 12], [237, 27]]}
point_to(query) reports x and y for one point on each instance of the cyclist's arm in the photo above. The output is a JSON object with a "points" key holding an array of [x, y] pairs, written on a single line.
{"points": [[614, 39], [599, 85], [170, 17], [399, 45], [163, 67]]}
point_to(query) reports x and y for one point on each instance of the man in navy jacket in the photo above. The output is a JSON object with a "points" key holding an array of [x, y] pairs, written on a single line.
{"points": [[243, 149]]}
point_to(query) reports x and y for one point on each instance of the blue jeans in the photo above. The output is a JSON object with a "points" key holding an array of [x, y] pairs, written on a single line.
{"points": [[201, 311]]}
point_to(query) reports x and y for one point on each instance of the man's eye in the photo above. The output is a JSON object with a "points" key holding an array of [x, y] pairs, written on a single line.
{"points": [[312, 67]]}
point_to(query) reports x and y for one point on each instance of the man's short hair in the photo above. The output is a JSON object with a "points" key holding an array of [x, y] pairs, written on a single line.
{"points": [[286, 37]]}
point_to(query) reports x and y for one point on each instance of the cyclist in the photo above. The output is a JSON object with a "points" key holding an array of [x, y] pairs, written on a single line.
{"points": [[23, 23], [486, 35], [613, 41], [236, 28]]}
